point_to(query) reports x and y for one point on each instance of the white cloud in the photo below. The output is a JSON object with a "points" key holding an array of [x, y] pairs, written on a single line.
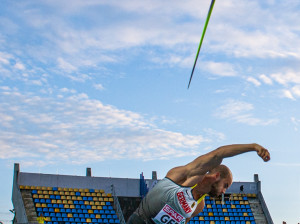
{"points": [[219, 68], [287, 94], [19, 66], [99, 86], [240, 112], [66, 66], [289, 77], [266, 79], [253, 81], [76, 129]]}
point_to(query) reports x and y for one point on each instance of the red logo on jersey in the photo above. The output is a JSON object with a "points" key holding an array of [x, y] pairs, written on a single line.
{"points": [[171, 212], [183, 202]]}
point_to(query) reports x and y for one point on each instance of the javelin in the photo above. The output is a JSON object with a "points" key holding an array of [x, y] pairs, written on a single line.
{"points": [[202, 37]]}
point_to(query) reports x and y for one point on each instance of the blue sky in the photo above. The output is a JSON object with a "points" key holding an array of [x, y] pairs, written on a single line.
{"points": [[103, 84]]}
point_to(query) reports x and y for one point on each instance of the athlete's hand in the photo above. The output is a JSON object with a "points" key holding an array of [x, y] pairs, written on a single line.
{"points": [[262, 152]]}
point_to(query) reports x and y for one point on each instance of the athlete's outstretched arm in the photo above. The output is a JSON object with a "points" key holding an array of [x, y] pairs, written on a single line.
{"points": [[202, 164]]}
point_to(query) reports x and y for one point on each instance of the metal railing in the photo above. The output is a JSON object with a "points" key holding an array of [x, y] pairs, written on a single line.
{"points": [[117, 205]]}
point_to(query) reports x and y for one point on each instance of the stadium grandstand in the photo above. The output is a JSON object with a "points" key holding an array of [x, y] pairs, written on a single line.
{"points": [[66, 199]]}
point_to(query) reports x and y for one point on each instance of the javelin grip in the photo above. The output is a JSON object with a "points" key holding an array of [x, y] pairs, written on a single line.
{"points": [[202, 37]]}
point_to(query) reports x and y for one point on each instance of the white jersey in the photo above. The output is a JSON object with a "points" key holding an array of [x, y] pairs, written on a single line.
{"points": [[168, 198]]}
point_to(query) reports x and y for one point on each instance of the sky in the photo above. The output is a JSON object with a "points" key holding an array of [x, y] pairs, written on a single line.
{"points": [[103, 84]]}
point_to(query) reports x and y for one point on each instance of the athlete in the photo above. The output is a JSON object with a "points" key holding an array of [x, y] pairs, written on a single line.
{"points": [[179, 196]]}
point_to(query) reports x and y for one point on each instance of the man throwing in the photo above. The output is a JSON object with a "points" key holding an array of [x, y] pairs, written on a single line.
{"points": [[179, 196]]}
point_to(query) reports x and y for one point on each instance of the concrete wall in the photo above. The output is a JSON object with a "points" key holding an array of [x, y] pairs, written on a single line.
{"points": [[123, 186], [20, 213]]}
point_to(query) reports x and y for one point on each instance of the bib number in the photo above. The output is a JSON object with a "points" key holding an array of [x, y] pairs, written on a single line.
{"points": [[168, 216]]}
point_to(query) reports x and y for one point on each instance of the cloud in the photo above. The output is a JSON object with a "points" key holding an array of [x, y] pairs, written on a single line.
{"points": [[254, 81], [219, 68], [240, 112], [76, 129], [266, 79]]}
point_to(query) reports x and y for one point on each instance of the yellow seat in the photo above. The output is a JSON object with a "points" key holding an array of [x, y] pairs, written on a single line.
{"points": [[90, 211], [59, 188], [59, 201], [97, 203], [67, 193], [212, 222], [82, 194], [94, 207], [201, 218], [70, 215], [66, 189], [65, 202], [227, 219], [44, 188], [246, 202], [72, 193], [86, 202], [95, 199], [66, 206], [56, 192], [50, 192], [75, 189], [109, 195], [88, 220], [101, 191], [44, 205], [103, 195], [35, 196], [98, 216], [93, 194], [111, 199], [40, 192], [79, 198], [99, 194], [71, 189], [53, 201], [72, 206], [248, 222], [47, 219], [41, 196], [49, 189], [102, 203], [70, 202], [61, 193], [232, 206], [56, 210], [92, 203], [105, 199], [38, 188], [245, 214], [99, 207], [224, 209], [242, 202], [69, 198], [81, 190], [32, 187], [63, 197], [88, 194], [22, 187], [38, 205], [208, 206], [46, 196], [86, 190], [210, 214]]}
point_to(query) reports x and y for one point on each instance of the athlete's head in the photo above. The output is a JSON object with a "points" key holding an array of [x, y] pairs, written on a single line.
{"points": [[223, 180]]}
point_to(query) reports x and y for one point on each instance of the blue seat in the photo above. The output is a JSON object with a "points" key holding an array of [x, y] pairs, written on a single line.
{"points": [[86, 216], [39, 209], [77, 219], [60, 205], [34, 191], [96, 211], [81, 202], [82, 220], [62, 210], [54, 188], [81, 215], [75, 215], [58, 214], [55, 205]]}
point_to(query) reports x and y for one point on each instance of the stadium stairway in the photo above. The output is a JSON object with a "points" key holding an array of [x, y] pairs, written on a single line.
{"points": [[257, 211], [29, 206]]}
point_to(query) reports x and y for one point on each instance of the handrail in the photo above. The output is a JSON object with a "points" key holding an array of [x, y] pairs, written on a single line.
{"points": [[117, 205]]}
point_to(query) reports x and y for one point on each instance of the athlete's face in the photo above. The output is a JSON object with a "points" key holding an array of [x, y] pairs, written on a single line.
{"points": [[220, 187]]}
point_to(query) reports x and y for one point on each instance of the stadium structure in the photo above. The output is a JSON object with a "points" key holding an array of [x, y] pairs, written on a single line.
{"points": [[67, 199]]}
